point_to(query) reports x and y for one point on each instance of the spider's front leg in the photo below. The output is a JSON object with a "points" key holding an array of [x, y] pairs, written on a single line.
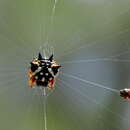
{"points": [[51, 84], [32, 80]]}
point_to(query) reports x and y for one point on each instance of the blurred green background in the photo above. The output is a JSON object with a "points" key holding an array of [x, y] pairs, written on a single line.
{"points": [[77, 30]]}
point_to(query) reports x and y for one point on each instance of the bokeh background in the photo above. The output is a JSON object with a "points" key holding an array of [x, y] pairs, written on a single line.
{"points": [[82, 33]]}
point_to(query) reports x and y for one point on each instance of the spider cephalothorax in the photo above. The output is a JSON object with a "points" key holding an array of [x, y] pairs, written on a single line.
{"points": [[43, 72]]}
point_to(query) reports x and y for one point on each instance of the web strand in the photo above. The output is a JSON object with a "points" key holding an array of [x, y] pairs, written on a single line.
{"points": [[91, 83], [45, 113], [96, 60], [51, 20], [44, 103]]}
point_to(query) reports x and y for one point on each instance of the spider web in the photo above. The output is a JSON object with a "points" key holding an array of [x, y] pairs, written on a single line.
{"points": [[91, 41]]}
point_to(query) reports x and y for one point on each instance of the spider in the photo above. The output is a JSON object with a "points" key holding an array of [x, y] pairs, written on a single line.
{"points": [[125, 93], [43, 72]]}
